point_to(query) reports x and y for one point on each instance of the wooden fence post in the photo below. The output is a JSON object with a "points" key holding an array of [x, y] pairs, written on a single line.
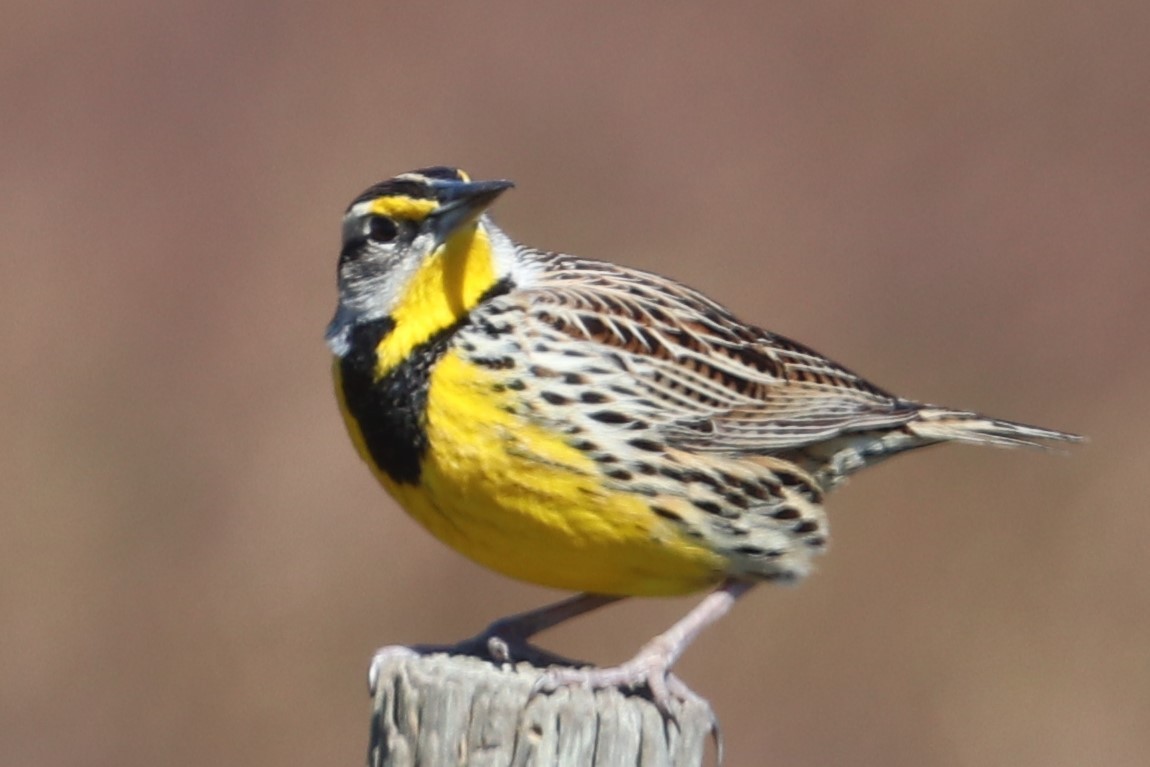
{"points": [[436, 710]]}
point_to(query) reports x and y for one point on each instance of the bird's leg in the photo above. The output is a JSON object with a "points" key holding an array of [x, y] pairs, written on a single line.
{"points": [[506, 639], [513, 631], [651, 666]]}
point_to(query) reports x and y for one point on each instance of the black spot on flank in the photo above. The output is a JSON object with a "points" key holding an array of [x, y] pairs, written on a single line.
{"points": [[554, 399], [593, 398], [786, 512], [574, 379], [516, 385], [816, 541], [651, 446], [666, 513], [706, 479], [495, 311], [645, 468], [709, 507], [812, 493], [804, 486], [807, 526], [756, 491], [491, 330], [757, 551], [730, 528], [786, 477], [584, 445], [494, 363], [620, 474], [609, 416], [737, 500]]}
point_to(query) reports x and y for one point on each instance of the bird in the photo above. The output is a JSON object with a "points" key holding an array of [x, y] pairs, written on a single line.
{"points": [[595, 428]]}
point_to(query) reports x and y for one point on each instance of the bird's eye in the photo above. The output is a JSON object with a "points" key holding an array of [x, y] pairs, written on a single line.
{"points": [[381, 229]]}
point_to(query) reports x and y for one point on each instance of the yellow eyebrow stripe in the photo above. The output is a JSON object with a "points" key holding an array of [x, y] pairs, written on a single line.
{"points": [[402, 206]]}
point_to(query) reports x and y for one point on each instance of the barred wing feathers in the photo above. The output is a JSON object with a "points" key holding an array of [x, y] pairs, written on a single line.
{"points": [[727, 386]]}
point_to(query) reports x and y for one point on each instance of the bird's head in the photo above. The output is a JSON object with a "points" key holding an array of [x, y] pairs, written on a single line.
{"points": [[419, 244]]}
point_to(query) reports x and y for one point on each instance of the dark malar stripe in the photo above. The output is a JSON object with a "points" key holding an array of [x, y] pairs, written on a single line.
{"points": [[392, 412]]}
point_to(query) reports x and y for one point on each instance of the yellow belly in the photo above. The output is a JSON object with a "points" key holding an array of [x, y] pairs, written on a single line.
{"points": [[513, 496]]}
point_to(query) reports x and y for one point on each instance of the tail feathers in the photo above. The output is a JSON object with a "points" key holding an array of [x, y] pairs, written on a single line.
{"points": [[833, 461], [935, 424]]}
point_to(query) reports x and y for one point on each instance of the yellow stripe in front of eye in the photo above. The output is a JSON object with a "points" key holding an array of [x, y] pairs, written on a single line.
{"points": [[402, 206]]}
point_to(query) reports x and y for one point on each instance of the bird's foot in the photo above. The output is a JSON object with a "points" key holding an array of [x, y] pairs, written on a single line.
{"points": [[650, 669]]}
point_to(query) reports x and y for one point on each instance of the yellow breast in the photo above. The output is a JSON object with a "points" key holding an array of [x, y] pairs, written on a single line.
{"points": [[512, 495]]}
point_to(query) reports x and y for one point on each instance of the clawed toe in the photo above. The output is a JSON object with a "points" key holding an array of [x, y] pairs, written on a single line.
{"points": [[666, 690]]}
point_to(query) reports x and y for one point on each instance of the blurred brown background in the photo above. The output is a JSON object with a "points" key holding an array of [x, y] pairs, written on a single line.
{"points": [[952, 198]]}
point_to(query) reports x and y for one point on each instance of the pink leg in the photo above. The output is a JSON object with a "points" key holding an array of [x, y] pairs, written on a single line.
{"points": [[651, 666]]}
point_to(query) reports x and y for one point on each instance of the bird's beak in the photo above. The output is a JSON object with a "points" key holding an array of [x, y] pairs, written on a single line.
{"points": [[463, 203]]}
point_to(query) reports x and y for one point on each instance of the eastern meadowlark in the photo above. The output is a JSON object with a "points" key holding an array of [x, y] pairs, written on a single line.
{"points": [[592, 427]]}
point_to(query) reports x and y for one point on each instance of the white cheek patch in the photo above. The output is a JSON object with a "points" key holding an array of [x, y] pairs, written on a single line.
{"points": [[371, 287]]}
